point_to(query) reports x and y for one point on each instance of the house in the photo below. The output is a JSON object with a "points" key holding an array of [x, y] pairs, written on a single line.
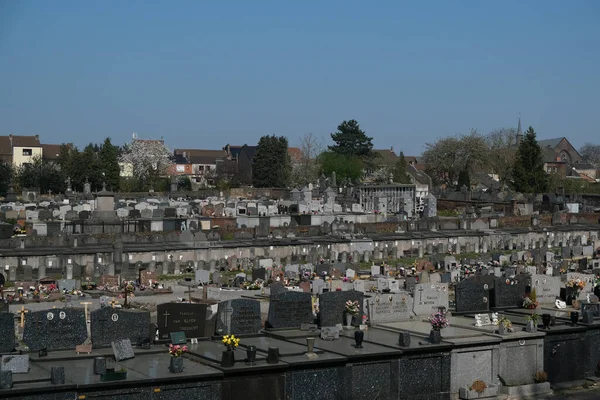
{"points": [[295, 155], [20, 150], [202, 164], [587, 171], [563, 148], [51, 152]]}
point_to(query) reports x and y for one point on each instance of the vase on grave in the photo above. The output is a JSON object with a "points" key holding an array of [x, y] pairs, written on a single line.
{"points": [[251, 355], [349, 319], [546, 319], [176, 364], [435, 336], [501, 329], [228, 359], [531, 326], [574, 317], [358, 338]]}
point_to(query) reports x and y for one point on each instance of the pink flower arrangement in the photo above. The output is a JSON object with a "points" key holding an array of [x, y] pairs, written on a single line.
{"points": [[177, 350], [438, 321]]}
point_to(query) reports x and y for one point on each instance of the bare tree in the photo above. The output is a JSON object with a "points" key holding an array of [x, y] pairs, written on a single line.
{"points": [[305, 168], [591, 153], [503, 151], [149, 159], [450, 156]]}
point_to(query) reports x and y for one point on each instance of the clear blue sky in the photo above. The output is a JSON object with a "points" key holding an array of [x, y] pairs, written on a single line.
{"points": [[207, 73]]}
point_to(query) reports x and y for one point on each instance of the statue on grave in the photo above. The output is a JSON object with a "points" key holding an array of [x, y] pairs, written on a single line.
{"points": [[333, 180], [68, 182], [87, 187], [104, 186], [183, 226]]}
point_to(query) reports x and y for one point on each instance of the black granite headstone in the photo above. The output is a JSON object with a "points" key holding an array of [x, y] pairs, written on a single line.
{"points": [[333, 304], [238, 317], [259, 273], [109, 324], [7, 332], [472, 295], [277, 287], [181, 317], [509, 292], [56, 329], [290, 310]]}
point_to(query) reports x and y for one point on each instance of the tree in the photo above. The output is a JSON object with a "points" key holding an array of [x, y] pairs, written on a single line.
{"points": [[590, 153], [184, 184], [6, 176], [271, 162], [150, 159], [463, 180], [399, 170], [87, 168], [529, 175], [345, 167], [503, 151], [108, 158], [351, 141], [306, 169], [447, 157], [42, 175]]}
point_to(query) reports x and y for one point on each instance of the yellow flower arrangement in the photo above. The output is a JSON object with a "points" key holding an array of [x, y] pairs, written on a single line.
{"points": [[231, 342]]}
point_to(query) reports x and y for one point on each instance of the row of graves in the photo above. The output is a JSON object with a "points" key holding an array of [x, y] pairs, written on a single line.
{"points": [[338, 333]]}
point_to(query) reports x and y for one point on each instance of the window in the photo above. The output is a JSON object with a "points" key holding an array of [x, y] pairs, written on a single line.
{"points": [[180, 168], [27, 152]]}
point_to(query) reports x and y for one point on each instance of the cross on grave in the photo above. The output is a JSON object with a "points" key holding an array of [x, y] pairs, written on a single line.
{"points": [[23, 311], [189, 293], [113, 302], [166, 315]]}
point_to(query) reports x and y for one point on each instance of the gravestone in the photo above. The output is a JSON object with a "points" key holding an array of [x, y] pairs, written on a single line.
{"points": [[181, 317], [333, 304], [547, 288], [472, 295], [259, 273], [508, 292], [238, 317], [110, 324], [7, 331], [290, 310], [122, 349], [429, 297], [55, 329], [390, 307], [277, 287], [202, 276]]}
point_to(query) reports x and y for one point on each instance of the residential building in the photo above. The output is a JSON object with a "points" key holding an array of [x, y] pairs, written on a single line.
{"points": [[200, 165], [20, 150], [51, 152]]}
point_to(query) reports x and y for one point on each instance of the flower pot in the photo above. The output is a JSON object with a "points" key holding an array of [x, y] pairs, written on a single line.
{"points": [[358, 338], [531, 327], [349, 319], [228, 359], [574, 317], [176, 365], [546, 318], [501, 329], [99, 365], [435, 336], [251, 355]]}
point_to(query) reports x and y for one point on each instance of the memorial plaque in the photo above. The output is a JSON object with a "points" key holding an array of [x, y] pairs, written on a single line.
{"points": [[181, 317], [110, 324], [55, 329], [178, 338], [333, 304], [7, 332], [238, 317], [17, 364], [290, 310], [390, 307], [429, 297], [122, 349]]}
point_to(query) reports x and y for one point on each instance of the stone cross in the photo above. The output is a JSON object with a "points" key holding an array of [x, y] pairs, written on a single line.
{"points": [[113, 302], [23, 311]]}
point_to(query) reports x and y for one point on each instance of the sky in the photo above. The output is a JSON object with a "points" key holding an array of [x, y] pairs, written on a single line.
{"points": [[203, 74]]}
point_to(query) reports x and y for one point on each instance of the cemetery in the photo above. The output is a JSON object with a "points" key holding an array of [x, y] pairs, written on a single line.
{"points": [[445, 326]]}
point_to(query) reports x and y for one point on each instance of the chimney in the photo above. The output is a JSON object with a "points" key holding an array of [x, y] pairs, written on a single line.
{"points": [[392, 149], [37, 137]]}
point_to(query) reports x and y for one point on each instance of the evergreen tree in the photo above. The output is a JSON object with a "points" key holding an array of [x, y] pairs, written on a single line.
{"points": [[351, 141], [345, 167], [6, 175], [399, 171], [271, 163], [108, 158], [88, 167], [43, 175], [529, 175]]}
